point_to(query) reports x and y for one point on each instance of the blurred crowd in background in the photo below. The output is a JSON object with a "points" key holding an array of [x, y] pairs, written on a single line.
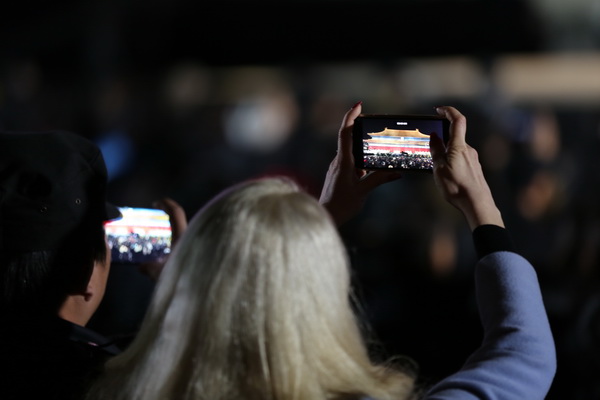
{"points": [[187, 127]]}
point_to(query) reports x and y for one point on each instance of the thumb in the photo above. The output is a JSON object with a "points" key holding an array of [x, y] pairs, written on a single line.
{"points": [[177, 217]]}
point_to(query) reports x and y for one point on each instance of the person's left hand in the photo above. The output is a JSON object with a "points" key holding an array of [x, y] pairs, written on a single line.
{"points": [[346, 187], [178, 220]]}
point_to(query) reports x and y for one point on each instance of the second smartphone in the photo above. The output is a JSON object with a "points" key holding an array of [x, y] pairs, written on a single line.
{"points": [[141, 235]]}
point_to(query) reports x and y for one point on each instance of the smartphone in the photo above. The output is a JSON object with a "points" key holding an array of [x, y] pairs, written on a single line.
{"points": [[142, 235], [399, 142]]}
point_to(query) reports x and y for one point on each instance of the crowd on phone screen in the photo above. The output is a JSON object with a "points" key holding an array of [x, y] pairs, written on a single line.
{"points": [[138, 248], [402, 160]]}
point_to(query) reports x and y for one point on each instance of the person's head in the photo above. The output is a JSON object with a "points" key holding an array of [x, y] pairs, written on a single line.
{"points": [[52, 213], [254, 302]]}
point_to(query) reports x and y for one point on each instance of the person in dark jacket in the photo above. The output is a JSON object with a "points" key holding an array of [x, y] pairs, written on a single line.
{"points": [[54, 263]]}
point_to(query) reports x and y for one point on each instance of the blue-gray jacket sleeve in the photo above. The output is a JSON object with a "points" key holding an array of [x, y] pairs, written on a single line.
{"points": [[517, 358]]}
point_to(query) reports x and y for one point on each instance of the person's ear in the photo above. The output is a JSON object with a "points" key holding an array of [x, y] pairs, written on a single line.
{"points": [[88, 294]]}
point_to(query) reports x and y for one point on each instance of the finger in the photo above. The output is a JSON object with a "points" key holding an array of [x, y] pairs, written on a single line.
{"points": [[345, 133], [458, 125]]}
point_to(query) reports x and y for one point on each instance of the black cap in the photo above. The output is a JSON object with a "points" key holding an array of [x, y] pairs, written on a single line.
{"points": [[50, 184]]}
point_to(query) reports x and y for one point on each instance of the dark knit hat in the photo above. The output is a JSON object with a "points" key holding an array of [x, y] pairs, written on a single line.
{"points": [[51, 184]]}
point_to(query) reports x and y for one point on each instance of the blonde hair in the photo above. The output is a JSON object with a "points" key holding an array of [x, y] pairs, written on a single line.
{"points": [[253, 304]]}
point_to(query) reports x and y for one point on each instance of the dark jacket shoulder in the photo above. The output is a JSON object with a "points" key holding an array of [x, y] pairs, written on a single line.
{"points": [[51, 358]]}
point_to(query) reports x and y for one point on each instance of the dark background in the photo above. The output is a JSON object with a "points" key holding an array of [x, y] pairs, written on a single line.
{"points": [[173, 92]]}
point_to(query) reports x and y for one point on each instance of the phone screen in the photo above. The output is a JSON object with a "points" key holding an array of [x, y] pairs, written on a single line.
{"points": [[396, 141], [142, 235]]}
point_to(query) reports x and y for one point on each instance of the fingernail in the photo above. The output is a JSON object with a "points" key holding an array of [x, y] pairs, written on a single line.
{"points": [[356, 105], [437, 109]]}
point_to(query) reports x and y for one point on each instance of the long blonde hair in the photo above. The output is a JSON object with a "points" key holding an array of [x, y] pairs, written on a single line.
{"points": [[253, 304]]}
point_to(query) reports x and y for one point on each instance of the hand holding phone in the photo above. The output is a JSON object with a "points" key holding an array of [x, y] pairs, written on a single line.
{"points": [[345, 189], [397, 142]]}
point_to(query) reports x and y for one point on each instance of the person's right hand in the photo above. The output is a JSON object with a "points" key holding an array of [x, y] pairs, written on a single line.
{"points": [[458, 174], [346, 187]]}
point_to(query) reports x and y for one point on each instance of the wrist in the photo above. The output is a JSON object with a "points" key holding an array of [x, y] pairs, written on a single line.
{"points": [[483, 214], [480, 209]]}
